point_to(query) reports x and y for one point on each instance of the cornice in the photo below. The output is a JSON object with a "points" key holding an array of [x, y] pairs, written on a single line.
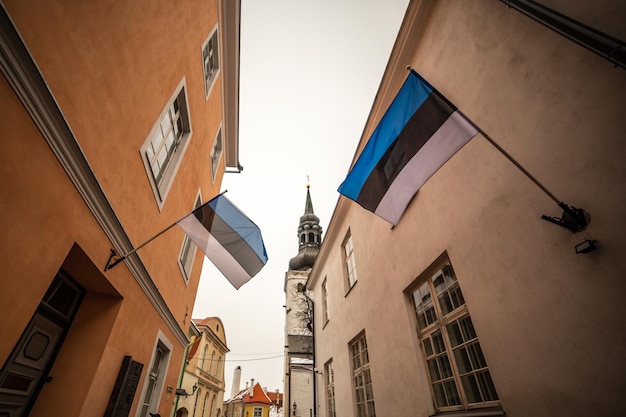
{"points": [[24, 77], [230, 21]]}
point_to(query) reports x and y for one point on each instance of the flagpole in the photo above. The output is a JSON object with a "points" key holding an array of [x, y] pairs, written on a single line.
{"points": [[519, 166], [111, 263], [574, 219]]}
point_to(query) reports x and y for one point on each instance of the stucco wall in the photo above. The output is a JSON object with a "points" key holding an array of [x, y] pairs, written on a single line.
{"points": [[111, 67], [545, 316]]}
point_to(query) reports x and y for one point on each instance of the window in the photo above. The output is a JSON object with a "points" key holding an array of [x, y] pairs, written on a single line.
{"points": [[188, 250], [361, 378], [206, 398], [258, 412], [205, 357], [211, 363], [195, 403], [457, 368], [163, 149], [210, 61], [216, 153], [324, 301], [330, 387], [155, 377], [348, 255]]}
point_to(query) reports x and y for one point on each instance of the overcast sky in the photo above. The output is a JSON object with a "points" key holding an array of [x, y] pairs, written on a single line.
{"points": [[310, 70]]}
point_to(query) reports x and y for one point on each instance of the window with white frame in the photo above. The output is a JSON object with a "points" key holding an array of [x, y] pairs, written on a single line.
{"points": [[188, 250], [155, 378], [210, 60], [348, 257], [211, 363], [258, 412], [324, 301], [361, 378], [163, 149], [330, 388], [216, 152], [457, 369], [205, 357]]}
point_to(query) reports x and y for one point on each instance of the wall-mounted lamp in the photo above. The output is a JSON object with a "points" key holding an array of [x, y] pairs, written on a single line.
{"points": [[586, 246], [183, 393], [295, 407]]}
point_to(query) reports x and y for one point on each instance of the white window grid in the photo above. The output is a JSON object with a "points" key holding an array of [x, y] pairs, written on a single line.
{"points": [[350, 264], [216, 153], [188, 250], [165, 140], [457, 369], [330, 388], [364, 393], [210, 60]]}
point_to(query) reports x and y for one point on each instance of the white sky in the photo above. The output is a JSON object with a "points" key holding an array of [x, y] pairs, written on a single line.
{"points": [[309, 73]]}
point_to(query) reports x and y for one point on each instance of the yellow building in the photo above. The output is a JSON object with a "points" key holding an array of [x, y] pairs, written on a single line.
{"points": [[473, 304], [204, 374], [118, 119], [253, 401]]}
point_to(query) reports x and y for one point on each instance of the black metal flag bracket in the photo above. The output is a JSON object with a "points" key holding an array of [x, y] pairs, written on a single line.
{"points": [[115, 258], [573, 219]]}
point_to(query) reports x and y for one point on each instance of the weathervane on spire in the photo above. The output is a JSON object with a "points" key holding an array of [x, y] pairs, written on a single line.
{"points": [[308, 185]]}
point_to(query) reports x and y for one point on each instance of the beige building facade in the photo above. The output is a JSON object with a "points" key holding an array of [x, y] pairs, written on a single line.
{"points": [[473, 304], [203, 379], [119, 118]]}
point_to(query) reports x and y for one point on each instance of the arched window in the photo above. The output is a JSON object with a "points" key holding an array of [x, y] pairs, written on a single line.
{"points": [[204, 357], [195, 403], [212, 360], [302, 237], [311, 237], [212, 409], [218, 370], [206, 397]]}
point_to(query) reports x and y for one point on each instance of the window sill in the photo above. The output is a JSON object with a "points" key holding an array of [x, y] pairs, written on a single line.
{"points": [[483, 412], [350, 289]]}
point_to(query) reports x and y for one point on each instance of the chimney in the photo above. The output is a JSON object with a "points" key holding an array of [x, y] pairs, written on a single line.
{"points": [[236, 381], [252, 385]]}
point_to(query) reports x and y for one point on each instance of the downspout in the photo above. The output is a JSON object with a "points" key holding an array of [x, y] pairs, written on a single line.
{"points": [[182, 371], [608, 47]]}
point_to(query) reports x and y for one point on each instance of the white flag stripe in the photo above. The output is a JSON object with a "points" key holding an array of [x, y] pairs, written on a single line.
{"points": [[220, 257], [446, 141]]}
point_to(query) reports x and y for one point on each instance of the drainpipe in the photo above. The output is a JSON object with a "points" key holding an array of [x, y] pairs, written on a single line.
{"points": [[182, 371], [608, 47]]}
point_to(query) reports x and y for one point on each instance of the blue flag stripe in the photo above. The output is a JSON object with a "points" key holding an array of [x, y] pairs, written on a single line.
{"points": [[413, 93], [428, 118], [229, 239], [240, 224]]}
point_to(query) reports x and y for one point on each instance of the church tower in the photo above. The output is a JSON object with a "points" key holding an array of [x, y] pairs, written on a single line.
{"points": [[299, 365]]}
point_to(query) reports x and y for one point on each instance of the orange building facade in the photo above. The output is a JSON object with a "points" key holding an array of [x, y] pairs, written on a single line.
{"points": [[119, 118]]}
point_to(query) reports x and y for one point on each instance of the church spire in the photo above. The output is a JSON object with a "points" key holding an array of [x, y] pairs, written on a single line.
{"points": [[309, 237]]}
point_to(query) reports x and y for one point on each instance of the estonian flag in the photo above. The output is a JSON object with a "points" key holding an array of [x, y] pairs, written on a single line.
{"points": [[420, 131], [228, 238]]}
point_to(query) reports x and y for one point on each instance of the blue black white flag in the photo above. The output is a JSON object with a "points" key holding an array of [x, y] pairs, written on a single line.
{"points": [[420, 131], [228, 238]]}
